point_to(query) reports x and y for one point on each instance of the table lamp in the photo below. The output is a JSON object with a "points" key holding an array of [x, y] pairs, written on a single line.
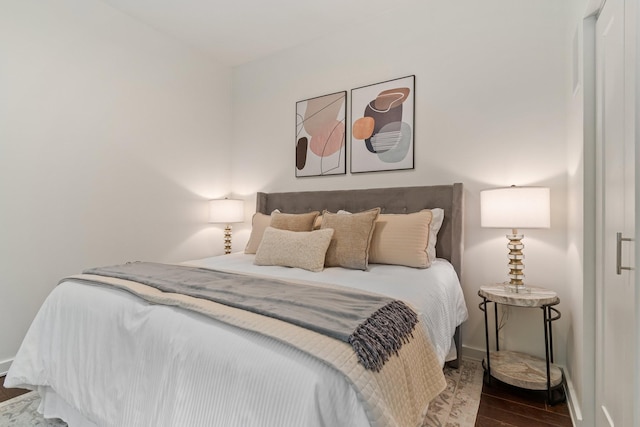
{"points": [[515, 208], [226, 211]]}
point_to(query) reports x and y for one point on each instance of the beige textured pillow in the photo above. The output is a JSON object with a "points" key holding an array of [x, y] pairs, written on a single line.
{"points": [[302, 249], [294, 222], [402, 239], [259, 223], [349, 246], [317, 223]]}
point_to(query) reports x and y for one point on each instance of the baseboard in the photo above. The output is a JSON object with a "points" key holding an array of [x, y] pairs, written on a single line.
{"points": [[473, 353], [4, 366], [572, 401]]}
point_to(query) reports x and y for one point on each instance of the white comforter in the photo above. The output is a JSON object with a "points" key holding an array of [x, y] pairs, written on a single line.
{"points": [[101, 356]]}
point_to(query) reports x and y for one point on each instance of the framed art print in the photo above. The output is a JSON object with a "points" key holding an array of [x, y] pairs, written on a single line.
{"points": [[382, 126], [320, 135]]}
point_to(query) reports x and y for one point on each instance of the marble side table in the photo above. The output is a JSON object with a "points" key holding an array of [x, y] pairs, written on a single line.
{"points": [[520, 369]]}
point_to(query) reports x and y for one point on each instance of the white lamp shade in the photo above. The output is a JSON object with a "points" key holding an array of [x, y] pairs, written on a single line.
{"points": [[226, 211], [515, 207]]}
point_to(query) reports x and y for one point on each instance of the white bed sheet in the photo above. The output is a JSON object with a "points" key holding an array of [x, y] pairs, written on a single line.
{"points": [[104, 357]]}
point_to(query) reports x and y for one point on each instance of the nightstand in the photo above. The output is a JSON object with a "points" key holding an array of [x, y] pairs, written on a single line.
{"points": [[520, 369]]}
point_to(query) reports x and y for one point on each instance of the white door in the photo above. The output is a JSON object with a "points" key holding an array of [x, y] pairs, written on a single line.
{"points": [[615, 294]]}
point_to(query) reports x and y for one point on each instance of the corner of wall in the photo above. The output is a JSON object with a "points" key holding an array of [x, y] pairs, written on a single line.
{"points": [[5, 365]]}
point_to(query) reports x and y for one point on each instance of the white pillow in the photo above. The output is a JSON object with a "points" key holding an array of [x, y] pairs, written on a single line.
{"points": [[436, 223]]}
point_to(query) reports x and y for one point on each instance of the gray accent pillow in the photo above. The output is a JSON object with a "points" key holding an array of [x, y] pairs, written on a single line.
{"points": [[349, 246]]}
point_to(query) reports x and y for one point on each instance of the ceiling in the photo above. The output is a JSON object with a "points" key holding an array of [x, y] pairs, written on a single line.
{"points": [[239, 31]]}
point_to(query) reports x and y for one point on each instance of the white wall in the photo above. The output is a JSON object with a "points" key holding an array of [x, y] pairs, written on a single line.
{"points": [[112, 137], [491, 110]]}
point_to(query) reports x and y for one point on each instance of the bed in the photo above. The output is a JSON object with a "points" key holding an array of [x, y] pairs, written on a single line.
{"points": [[103, 356]]}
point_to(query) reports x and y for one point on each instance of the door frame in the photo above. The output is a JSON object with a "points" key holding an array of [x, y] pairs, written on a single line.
{"points": [[585, 410], [634, 21]]}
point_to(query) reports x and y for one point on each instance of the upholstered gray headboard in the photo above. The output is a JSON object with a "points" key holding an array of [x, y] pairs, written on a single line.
{"points": [[390, 200]]}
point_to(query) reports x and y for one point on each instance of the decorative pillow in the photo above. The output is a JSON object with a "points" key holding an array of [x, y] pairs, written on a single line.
{"points": [[302, 249], [294, 222], [402, 239], [436, 223], [317, 223], [259, 223], [349, 246]]}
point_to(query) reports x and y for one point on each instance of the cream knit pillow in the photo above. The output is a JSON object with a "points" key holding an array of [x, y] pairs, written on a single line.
{"points": [[293, 222], [302, 249]]}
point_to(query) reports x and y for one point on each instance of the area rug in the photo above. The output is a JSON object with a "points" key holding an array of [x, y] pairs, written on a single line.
{"points": [[456, 406], [22, 411]]}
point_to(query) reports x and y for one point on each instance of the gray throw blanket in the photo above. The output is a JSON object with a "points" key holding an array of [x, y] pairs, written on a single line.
{"points": [[375, 326]]}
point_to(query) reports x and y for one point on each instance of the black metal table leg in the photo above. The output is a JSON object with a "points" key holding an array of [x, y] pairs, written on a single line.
{"points": [[483, 307], [548, 340], [547, 327], [495, 315]]}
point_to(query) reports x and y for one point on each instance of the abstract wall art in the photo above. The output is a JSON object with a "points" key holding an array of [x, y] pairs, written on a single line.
{"points": [[382, 126], [320, 135]]}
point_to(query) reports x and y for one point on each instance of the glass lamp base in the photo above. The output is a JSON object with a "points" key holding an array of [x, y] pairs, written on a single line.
{"points": [[517, 289]]}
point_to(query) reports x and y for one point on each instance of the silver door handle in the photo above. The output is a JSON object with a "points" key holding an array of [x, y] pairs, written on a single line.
{"points": [[619, 240]]}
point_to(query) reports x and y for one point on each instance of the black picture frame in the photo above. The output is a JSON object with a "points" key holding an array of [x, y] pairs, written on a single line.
{"points": [[383, 126], [321, 135]]}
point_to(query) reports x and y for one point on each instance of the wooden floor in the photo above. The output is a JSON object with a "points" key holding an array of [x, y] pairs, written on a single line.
{"points": [[500, 406], [9, 393]]}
